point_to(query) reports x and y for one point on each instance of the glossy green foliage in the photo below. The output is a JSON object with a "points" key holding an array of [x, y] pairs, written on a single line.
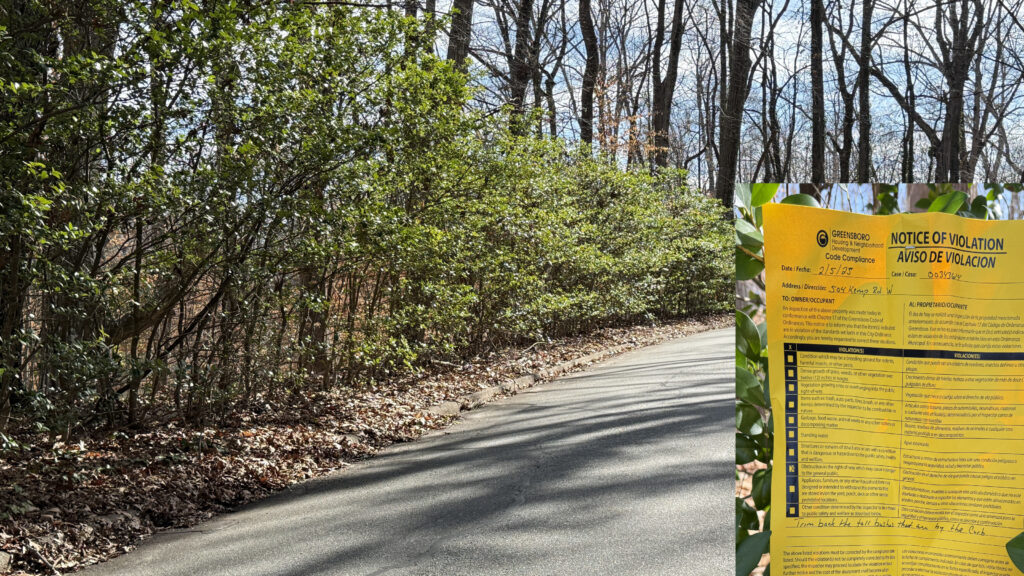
{"points": [[754, 434]]}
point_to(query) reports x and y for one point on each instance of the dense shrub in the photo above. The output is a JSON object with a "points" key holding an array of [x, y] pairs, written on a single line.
{"points": [[200, 206]]}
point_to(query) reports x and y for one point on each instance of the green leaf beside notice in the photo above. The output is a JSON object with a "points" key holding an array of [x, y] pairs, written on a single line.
{"points": [[761, 488], [949, 202], [979, 208], [742, 196], [1015, 548], [748, 419], [747, 267], [748, 339], [762, 193], [747, 449], [750, 551], [748, 388], [749, 236], [801, 200]]}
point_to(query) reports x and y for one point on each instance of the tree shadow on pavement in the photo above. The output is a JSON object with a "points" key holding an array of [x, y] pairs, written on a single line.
{"points": [[586, 454]]}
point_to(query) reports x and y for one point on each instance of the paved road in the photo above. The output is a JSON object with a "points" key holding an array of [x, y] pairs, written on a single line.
{"points": [[624, 469]]}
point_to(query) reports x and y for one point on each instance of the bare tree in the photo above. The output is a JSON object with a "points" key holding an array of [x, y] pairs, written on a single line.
{"points": [[843, 144], [664, 86], [864, 96], [589, 73], [907, 168], [520, 69], [461, 31], [656, 81], [817, 93], [738, 88], [957, 48]]}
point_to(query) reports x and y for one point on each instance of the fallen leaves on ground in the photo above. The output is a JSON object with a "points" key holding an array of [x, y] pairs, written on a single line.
{"points": [[69, 506]]}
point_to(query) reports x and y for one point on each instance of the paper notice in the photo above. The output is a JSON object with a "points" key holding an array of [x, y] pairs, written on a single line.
{"points": [[896, 352]]}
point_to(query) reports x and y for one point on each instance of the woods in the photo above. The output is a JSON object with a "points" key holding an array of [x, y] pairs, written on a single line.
{"points": [[772, 90], [205, 202], [206, 205]]}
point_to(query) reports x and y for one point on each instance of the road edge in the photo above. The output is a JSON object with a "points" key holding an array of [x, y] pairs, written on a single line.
{"points": [[514, 385]]}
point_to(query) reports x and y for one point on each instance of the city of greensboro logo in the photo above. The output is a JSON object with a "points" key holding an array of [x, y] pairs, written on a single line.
{"points": [[822, 238]]}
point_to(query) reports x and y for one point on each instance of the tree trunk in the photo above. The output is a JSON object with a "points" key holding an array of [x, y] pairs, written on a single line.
{"points": [[957, 54], [462, 29], [589, 72], [817, 94], [520, 73], [948, 158], [863, 85], [536, 70], [661, 106], [732, 114], [313, 325], [773, 128], [846, 93], [907, 171], [549, 97], [12, 300]]}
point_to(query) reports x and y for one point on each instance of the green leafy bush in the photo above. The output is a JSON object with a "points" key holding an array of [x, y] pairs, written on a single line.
{"points": [[202, 206]]}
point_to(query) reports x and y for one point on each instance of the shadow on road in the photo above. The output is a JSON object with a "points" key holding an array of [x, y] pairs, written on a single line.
{"points": [[581, 455]]}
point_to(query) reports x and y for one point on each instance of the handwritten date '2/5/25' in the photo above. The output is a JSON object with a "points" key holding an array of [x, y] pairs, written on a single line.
{"points": [[826, 270]]}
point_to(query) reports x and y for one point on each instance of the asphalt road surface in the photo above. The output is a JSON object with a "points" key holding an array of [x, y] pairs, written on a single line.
{"points": [[623, 469]]}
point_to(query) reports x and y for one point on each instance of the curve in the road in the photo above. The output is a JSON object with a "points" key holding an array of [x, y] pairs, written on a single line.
{"points": [[623, 469]]}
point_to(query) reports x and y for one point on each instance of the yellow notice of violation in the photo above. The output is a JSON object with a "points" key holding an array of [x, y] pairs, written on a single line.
{"points": [[896, 350]]}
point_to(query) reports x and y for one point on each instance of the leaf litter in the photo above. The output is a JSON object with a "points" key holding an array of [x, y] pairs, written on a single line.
{"points": [[63, 507]]}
